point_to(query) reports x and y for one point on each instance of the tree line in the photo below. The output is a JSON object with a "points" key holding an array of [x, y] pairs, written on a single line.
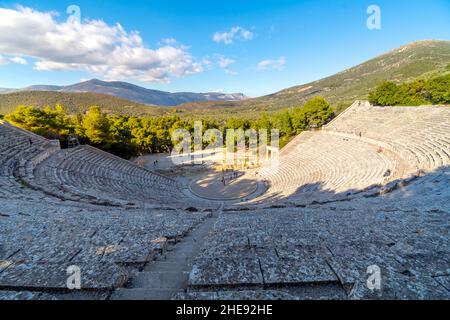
{"points": [[128, 135], [434, 91]]}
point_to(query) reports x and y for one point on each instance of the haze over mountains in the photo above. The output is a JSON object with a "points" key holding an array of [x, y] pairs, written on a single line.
{"points": [[134, 93]]}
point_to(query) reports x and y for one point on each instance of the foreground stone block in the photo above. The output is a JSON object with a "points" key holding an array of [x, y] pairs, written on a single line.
{"points": [[398, 286], [308, 269], [225, 272]]}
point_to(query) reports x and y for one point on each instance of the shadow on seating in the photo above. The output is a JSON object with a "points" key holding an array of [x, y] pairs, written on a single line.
{"points": [[317, 193]]}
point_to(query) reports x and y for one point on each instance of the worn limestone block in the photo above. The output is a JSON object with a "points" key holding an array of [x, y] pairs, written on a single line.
{"points": [[132, 253], [398, 286], [255, 295], [230, 251], [196, 295], [25, 295], [350, 262], [225, 272], [34, 275], [444, 281], [99, 274], [429, 264], [300, 269]]}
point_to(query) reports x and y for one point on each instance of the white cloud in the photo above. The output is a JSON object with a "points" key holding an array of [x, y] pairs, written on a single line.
{"points": [[19, 60], [277, 64], [237, 32], [225, 63], [91, 46]]}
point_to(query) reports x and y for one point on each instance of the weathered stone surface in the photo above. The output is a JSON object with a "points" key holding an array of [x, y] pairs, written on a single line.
{"points": [[25, 295], [401, 287], [37, 246], [350, 262], [336, 244], [34, 275], [296, 266], [333, 217], [444, 281], [237, 295], [225, 272]]}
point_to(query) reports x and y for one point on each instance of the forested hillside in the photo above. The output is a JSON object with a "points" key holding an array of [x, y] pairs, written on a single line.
{"points": [[76, 102]]}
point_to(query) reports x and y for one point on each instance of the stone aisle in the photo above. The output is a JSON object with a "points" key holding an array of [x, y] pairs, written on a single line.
{"points": [[169, 274]]}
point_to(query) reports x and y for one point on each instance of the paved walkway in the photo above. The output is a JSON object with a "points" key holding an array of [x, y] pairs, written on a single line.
{"points": [[169, 274]]}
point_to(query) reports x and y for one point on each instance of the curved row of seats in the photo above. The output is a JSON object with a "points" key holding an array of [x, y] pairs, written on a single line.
{"points": [[324, 252], [16, 148], [421, 135], [364, 147], [323, 162], [80, 174], [42, 233], [41, 239], [88, 172]]}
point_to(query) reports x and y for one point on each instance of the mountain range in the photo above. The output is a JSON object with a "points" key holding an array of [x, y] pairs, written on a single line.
{"points": [[134, 93], [421, 59]]}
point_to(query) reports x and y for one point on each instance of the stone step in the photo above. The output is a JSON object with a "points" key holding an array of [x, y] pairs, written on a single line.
{"points": [[181, 252], [161, 280], [181, 259], [144, 294], [172, 266]]}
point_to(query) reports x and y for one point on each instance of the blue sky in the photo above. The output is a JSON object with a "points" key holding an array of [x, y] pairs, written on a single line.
{"points": [[274, 44]]}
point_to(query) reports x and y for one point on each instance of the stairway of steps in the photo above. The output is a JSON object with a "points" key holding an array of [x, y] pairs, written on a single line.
{"points": [[168, 275]]}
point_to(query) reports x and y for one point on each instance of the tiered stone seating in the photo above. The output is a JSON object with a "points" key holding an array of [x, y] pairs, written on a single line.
{"points": [[40, 240], [42, 235], [84, 173], [311, 248], [324, 251], [323, 162], [364, 148], [420, 135], [88, 173], [17, 148]]}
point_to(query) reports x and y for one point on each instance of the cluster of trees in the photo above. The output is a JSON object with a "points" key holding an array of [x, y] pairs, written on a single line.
{"points": [[124, 136], [127, 136], [435, 91]]}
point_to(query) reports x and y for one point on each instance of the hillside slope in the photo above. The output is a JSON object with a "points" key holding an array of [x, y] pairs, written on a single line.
{"points": [[418, 59], [75, 102], [400, 65]]}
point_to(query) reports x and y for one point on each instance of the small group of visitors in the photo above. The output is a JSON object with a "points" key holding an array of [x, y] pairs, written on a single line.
{"points": [[226, 177]]}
